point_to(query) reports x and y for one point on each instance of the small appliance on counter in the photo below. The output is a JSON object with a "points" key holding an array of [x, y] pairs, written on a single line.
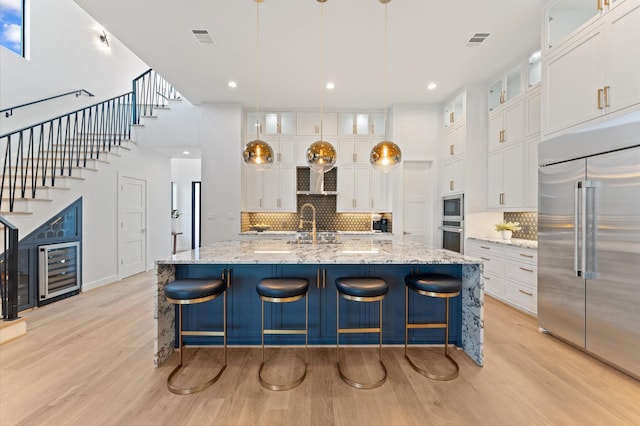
{"points": [[378, 223]]}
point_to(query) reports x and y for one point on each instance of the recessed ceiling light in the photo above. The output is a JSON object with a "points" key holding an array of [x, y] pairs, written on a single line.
{"points": [[232, 84], [330, 85], [186, 152], [431, 86]]}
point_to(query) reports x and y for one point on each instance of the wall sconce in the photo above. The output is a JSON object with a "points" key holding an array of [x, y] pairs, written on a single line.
{"points": [[103, 38]]}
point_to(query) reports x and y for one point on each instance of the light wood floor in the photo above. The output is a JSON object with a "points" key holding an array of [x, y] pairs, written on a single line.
{"points": [[87, 360]]}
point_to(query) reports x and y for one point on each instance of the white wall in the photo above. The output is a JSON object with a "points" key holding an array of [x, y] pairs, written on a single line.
{"points": [[184, 171], [416, 130], [220, 140], [65, 55]]}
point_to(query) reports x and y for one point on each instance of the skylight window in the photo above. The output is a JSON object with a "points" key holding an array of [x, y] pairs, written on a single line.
{"points": [[12, 25]]}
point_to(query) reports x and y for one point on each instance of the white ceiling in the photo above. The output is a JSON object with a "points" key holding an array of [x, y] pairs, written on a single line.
{"points": [[426, 42]]}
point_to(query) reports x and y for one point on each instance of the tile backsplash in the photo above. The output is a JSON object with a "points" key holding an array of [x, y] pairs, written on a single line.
{"points": [[527, 220], [326, 217]]}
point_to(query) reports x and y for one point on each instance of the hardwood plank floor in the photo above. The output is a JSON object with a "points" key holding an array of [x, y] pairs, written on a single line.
{"points": [[88, 360]]}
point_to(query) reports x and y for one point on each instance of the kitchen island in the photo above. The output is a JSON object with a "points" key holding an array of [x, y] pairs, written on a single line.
{"points": [[244, 263]]}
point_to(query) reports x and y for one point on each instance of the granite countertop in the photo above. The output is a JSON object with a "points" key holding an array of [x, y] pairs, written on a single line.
{"points": [[514, 242], [266, 251]]}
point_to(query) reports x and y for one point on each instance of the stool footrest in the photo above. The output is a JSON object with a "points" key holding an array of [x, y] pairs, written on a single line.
{"points": [[279, 331], [198, 388], [203, 333], [360, 330], [430, 325]]}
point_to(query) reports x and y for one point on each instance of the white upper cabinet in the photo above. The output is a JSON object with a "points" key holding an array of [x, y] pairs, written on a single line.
{"points": [[534, 69], [454, 141], [506, 88], [354, 151], [279, 123], [506, 178], [563, 18], [354, 189], [506, 126], [454, 111], [364, 124], [308, 123], [594, 72]]}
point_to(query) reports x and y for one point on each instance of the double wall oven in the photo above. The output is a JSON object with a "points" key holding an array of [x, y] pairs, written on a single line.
{"points": [[453, 223]]}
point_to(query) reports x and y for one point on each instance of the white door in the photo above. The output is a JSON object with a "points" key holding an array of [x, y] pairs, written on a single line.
{"points": [[418, 203], [132, 218]]}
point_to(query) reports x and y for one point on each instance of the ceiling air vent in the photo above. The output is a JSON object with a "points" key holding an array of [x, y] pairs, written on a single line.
{"points": [[203, 36], [477, 38]]}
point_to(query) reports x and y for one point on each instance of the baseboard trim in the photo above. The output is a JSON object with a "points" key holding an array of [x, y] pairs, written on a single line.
{"points": [[99, 283]]}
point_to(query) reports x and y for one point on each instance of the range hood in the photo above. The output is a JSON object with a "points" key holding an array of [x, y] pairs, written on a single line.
{"points": [[310, 182]]}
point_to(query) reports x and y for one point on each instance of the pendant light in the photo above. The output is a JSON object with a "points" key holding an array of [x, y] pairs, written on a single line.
{"points": [[258, 154], [386, 155], [321, 155]]}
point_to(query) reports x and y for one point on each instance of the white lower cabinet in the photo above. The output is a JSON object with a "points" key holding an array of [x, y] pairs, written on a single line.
{"points": [[510, 273]]}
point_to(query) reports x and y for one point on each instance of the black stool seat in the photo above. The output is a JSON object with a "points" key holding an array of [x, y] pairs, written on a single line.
{"points": [[362, 286], [282, 288], [433, 283], [191, 289]]}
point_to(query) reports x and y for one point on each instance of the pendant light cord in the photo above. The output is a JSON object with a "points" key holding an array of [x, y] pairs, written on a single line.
{"points": [[386, 70], [257, 69], [322, 70]]}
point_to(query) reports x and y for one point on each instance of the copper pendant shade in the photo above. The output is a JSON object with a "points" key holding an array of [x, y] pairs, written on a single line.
{"points": [[321, 156], [258, 154], [385, 156]]}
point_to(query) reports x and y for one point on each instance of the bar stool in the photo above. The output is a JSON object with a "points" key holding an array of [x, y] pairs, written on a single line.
{"points": [[284, 290], [360, 289], [432, 285], [189, 292]]}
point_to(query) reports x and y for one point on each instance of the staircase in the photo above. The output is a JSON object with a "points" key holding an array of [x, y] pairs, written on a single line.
{"points": [[43, 161], [48, 165]]}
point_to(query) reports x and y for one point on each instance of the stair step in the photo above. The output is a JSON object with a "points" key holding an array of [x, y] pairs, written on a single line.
{"points": [[90, 161], [75, 171], [10, 330]]}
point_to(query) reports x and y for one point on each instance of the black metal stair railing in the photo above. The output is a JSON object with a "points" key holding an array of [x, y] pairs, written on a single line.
{"points": [[9, 271], [34, 156], [8, 112]]}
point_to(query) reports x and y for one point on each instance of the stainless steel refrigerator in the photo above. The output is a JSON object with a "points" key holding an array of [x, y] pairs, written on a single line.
{"points": [[589, 242]]}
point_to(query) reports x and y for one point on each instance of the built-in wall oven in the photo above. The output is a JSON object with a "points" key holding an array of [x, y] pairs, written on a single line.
{"points": [[453, 223]]}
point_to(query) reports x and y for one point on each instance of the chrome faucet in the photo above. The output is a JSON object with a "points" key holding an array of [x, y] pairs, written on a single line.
{"points": [[312, 221]]}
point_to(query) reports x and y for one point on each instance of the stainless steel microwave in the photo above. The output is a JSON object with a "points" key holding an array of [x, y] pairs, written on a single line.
{"points": [[453, 208]]}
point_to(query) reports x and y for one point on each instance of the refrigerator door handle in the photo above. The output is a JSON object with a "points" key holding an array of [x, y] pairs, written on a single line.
{"points": [[577, 258], [589, 232], [583, 229]]}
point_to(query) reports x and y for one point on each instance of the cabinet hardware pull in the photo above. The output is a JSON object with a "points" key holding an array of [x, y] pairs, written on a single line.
{"points": [[324, 277], [486, 278], [354, 129], [279, 128], [525, 292], [526, 255], [279, 157], [525, 269], [317, 129], [260, 202], [485, 247], [600, 5], [600, 92], [353, 203], [355, 157], [606, 95], [373, 129], [607, 3], [450, 185], [504, 136], [279, 202], [451, 117], [318, 278], [503, 97], [484, 258], [451, 150]]}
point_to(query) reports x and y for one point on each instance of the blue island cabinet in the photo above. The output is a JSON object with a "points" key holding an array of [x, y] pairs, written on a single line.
{"points": [[243, 305]]}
